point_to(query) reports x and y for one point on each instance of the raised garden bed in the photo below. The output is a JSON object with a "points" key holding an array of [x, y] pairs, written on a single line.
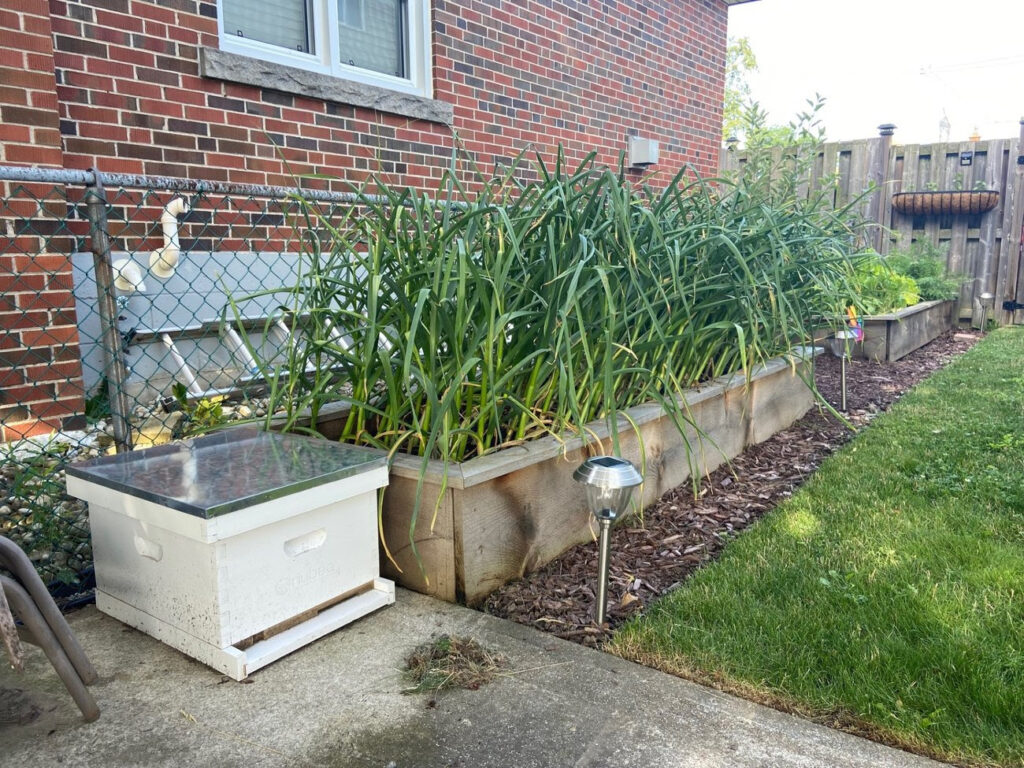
{"points": [[891, 336], [506, 514]]}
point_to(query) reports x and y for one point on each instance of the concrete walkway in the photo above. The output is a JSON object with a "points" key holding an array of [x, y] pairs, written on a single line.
{"points": [[339, 702]]}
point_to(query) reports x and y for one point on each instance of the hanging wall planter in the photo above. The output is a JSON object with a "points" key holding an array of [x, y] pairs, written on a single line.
{"points": [[947, 202]]}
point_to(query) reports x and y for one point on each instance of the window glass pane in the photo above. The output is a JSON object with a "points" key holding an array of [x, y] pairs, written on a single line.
{"points": [[371, 35], [278, 22], [350, 13]]}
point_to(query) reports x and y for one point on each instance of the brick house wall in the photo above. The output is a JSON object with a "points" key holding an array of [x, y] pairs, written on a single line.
{"points": [[527, 74], [137, 87], [40, 373]]}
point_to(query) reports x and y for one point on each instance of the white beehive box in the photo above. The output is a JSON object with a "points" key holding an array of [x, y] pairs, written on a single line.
{"points": [[239, 547]]}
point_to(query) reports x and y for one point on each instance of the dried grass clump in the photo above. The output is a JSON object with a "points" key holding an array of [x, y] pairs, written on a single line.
{"points": [[450, 661]]}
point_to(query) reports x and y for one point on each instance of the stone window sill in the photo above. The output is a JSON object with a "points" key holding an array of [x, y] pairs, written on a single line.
{"points": [[233, 67]]}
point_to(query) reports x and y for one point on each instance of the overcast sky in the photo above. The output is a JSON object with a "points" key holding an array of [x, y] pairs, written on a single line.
{"points": [[907, 62]]}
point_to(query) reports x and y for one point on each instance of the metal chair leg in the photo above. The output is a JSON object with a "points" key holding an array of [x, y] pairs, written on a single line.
{"points": [[17, 562], [22, 604]]}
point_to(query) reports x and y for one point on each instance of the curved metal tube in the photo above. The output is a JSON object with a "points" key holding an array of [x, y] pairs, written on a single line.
{"points": [[24, 606], [17, 562]]}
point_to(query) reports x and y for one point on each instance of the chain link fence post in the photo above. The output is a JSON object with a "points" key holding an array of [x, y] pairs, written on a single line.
{"points": [[113, 353]]}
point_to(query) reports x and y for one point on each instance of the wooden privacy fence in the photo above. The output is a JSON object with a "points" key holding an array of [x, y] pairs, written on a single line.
{"points": [[983, 247]]}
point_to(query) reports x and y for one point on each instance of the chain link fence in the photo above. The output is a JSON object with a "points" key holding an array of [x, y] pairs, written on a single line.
{"points": [[130, 311]]}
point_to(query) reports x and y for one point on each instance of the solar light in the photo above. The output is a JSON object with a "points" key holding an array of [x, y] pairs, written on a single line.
{"points": [[840, 344], [986, 302], [609, 481]]}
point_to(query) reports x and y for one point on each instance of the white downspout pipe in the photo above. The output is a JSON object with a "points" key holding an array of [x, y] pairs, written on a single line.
{"points": [[163, 262]]}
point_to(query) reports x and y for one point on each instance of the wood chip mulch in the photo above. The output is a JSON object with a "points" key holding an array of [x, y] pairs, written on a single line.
{"points": [[681, 532]]}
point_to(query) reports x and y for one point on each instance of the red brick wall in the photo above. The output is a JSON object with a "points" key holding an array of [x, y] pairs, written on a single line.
{"points": [[115, 84], [28, 100], [40, 373], [585, 75], [519, 75]]}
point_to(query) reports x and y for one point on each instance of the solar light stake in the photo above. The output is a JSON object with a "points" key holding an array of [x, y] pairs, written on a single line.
{"points": [[841, 349], [609, 481], [842, 381], [986, 300], [604, 544]]}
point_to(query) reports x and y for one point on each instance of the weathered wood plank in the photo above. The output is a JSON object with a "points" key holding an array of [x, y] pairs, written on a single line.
{"points": [[874, 172], [939, 177], [915, 330], [889, 183], [969, 287], [907, 183], [1013, 212], [950, 157], [929, 227], [434, 545], [804, 158], [990, 233], [830, 172], [959, 260], [1017, 228], [858, 178], [843, 185], [817, 171]]}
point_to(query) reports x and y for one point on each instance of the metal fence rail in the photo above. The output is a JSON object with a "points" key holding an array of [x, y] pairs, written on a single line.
{"points": [[124, 302]]}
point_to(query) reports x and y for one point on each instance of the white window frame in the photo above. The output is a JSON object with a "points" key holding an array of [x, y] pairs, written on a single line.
{"points": [[326, 58]]}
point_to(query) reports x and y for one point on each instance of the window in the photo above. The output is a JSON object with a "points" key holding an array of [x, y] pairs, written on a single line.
{"points": [[371, 34], [284, 24], [378, 42], [350, 13]]}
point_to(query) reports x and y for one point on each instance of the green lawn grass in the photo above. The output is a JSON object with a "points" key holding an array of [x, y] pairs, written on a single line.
{"points": [[887, 595]]}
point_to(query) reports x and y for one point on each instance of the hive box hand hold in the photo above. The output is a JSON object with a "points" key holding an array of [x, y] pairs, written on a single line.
{"points": [[239, 547]]}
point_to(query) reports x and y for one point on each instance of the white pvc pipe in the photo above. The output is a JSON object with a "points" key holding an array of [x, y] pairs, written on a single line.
{"points": [[128, 276], [239, 348], [191, 383], [163, 262], [169, 221]]}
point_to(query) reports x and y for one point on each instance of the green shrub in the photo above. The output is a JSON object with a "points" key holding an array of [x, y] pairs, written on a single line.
{"points": [[926, 264], [880, 289]]}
